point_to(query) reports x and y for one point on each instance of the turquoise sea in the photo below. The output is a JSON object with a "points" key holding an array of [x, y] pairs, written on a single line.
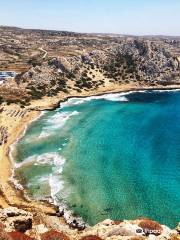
{"points": [[114, 156]]}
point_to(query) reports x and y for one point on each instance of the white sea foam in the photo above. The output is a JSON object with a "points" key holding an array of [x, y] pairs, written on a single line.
{"points": [[46, 158], [166, 90], [16, 183], [28, 161], [56, 185], [60, 118], [43, 179], [40, 180], [54, 179], [122, 97], [57, 121]]}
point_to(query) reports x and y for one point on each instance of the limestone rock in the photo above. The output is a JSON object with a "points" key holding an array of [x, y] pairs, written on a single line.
{"points": [[16, 219], [40, 229]]}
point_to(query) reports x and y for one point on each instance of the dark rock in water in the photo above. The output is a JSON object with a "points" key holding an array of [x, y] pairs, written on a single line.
{"points": [[74, 224], [103, 214], [60, 213], [73, 206], [19, 236], [108, 209], [53, 235], [81, 227], [91, 237], [23, 225]]}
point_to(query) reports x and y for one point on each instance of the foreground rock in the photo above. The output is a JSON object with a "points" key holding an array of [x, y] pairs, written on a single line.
{"points": [[17, 224], [16, 219], [138, 229]]}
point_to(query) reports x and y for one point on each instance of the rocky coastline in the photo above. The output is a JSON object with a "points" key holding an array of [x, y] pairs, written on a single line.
{"points": [[19, 224], [84, 65]]}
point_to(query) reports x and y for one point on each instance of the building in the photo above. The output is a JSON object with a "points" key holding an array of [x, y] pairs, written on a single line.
{"points": [[5, 75]]}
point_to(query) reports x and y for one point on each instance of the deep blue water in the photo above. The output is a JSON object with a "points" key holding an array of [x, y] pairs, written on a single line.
{"points": [[116, 156]]}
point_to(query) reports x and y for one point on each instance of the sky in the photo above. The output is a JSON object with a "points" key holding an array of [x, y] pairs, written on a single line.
{"points": [[138, 17]]}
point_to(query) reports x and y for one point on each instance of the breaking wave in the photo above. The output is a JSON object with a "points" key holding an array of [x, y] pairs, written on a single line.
{"points": [[55, 122], [121, 97]]}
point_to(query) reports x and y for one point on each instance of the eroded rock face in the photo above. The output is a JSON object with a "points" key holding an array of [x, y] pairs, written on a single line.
{"points": [[16, 219]]}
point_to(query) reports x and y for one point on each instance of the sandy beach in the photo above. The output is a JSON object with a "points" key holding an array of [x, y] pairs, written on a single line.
{"points": [[16, 120]]}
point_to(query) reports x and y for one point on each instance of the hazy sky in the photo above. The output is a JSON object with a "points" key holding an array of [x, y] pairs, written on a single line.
{"points": [[108, 16]]}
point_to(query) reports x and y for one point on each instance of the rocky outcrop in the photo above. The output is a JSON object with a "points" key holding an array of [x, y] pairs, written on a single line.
{"points": [[17, 224], [137, 229], [15, 219]]}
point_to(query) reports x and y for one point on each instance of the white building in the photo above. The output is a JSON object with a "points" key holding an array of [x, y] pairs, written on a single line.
{"points": [[5, 75]]}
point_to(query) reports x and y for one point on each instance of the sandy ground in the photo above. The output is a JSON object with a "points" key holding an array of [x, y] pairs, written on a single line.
{"points": [[9, 195]]}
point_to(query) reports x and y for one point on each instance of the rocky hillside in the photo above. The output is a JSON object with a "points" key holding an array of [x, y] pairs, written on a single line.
{"points": [[49, 62], [18, 224]]}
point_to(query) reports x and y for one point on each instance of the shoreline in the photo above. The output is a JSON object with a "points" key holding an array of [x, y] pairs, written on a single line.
{"points": [[15, 181], [19, 195]]}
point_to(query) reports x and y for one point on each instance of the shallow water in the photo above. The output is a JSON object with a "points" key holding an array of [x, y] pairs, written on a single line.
{"points": [[115, 156]]}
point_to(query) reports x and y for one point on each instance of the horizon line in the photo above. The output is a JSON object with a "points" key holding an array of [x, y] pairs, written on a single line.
{"points": [[101, 33]]}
